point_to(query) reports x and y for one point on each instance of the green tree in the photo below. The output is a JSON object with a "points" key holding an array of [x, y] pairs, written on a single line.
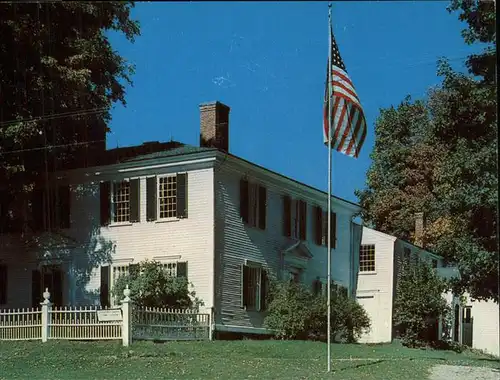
{"points": [[59, 79], [418, 304], [439, 156]]}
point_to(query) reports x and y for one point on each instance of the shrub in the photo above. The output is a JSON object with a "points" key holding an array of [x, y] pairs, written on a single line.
{"points": [[295, 313], [419, 304], [150, 285]]}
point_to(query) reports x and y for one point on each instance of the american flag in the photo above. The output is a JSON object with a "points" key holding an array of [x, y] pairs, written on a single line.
{"points": [[347, 117]]}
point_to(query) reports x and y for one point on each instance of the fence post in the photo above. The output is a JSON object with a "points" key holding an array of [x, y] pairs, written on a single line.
{"points": [[45, 315], [127, 320], [211, 321]]}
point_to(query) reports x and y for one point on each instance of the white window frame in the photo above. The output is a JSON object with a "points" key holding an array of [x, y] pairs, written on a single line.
{"points": [[158, 205], [374, 258], [257, 272], [113, 207]]}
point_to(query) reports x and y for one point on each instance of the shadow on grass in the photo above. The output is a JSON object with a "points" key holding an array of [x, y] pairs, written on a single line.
{"points": [[374, 362]]}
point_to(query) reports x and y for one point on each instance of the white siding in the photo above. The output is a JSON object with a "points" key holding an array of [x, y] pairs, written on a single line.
{"points": [[485, 326], [236, 242], [375, 289]]}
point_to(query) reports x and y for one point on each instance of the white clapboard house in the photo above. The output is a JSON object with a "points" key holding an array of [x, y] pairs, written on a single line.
{"points": [[225, 223], [473, 323]]}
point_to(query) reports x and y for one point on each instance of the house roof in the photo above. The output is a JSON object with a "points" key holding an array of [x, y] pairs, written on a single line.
{"points": [[183, 150]]}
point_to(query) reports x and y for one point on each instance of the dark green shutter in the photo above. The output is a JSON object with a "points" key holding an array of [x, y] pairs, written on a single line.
{"points": [[262, 207], [151, 196], [333, 229], [36, 289], [287, 216], [182, 269], [105, 196], [37, 209], [318, 225], [134, 201], [182, 201], [64, 206], [245, 273], [244, 204], [264, 286], [303, 220], [105, 283]]}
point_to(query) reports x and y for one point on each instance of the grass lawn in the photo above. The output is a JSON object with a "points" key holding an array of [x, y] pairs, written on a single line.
{"points": [[221, 360]]}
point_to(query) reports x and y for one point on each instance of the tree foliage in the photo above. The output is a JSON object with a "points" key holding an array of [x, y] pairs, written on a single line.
{"points": [[60, 78], [439, 156], [151, 286], [295, 313], [418, 304]]}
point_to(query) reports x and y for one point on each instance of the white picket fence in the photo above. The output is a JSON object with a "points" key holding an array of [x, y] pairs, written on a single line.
{"points": [[95, 323]]}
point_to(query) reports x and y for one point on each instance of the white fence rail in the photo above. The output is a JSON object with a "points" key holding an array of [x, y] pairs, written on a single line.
{"points": [[94, 323]]}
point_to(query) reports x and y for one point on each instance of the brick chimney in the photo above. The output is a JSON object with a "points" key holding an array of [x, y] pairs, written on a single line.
{"points": [[419, 230], [214, 125]]}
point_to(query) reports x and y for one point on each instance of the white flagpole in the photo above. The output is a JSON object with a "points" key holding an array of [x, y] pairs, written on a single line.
{"points": [[329, 206]]}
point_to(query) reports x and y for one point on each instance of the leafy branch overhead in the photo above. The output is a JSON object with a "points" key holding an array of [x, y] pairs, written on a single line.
{"points": [[439, 156]]}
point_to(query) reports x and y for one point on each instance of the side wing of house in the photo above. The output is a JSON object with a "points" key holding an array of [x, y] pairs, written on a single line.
{"points": [[267, 228], [375, 283], [120, 215]]}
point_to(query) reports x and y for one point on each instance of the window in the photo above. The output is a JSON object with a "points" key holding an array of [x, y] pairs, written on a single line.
{"points": [[254, 288], [3, 284], [177, 269], [121, 202], [253, 204], [294, 275], [434, 263], [295, 218], [167, 197], [367, 258], [321, 227]]}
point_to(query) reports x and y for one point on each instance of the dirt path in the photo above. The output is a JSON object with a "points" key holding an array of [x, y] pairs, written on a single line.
{"points": [[455, 372]]}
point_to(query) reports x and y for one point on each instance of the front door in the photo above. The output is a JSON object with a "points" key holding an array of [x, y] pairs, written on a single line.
{"points": [[48, 277]]}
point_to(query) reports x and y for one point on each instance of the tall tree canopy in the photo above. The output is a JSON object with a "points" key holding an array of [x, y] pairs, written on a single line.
{"points": [[439, 156], [59, 79]]}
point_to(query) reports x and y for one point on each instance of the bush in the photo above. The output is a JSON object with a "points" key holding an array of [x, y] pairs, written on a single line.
{"points": [[295, 313], [419, 304], [150, 285]]}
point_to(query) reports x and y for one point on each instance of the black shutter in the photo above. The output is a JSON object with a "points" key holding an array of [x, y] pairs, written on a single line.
{"points": [[333, 229], [317, 287], [134, 201], [303, 220], [245, 274], [287, 216], [36, 289], [3, 284], [64, 206], [264, 289], [105, 196], [262, 207], [151, 199], [182, 269], [105, 283], [319, 225], [56, 295], [182, 201], [244, 205]]}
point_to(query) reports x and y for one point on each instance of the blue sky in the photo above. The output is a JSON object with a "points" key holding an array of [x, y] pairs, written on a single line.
{"points": [[266, 60]]}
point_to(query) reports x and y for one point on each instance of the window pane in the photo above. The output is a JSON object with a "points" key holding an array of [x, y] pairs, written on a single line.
{"points": [[121, 202], [167, 197], [367, 258]]}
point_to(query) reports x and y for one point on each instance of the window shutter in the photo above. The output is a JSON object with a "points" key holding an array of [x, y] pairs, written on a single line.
{"points": [[37, 209], [64, 207], [318, 227], [303, 220], [135, 200], [333, 229], [56, 295], [244, 285], [182, 269], [105, 195], [264, 286], [133, 270], [317, 287], [36, 288], [151, 195], [244, 204], [182, 200], [105, 283], [3, 284], [262, 207], [287, 216]]}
